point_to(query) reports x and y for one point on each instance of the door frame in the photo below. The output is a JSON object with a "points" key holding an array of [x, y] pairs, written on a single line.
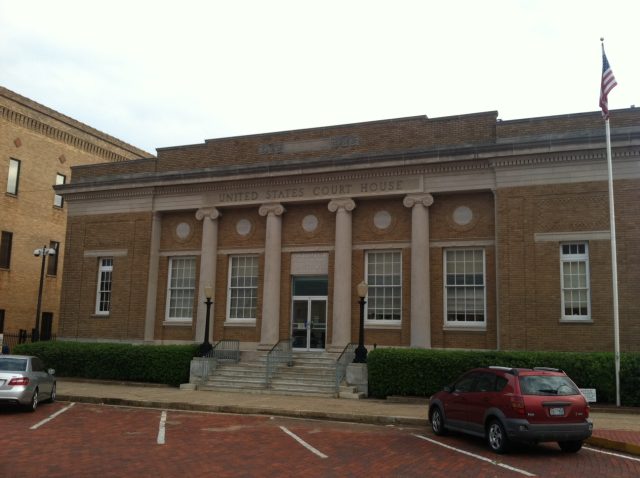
{"points": [[310, 299]]}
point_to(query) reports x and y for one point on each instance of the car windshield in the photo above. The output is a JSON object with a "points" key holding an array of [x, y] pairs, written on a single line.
{"points": [[547, 385], [12, 364]]}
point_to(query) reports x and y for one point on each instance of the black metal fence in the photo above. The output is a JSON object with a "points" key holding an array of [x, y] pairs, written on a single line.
{"points": [[9, 341]]}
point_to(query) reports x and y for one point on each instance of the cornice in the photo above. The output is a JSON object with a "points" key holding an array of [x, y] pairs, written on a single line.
{"points": [[49, 131], [110, 194]]}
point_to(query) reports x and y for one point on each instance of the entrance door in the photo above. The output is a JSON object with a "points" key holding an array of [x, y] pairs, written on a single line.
{"points": [[309, 323]]}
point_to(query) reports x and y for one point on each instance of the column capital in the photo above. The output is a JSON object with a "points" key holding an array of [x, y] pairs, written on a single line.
{"points": [[274, 209], [210, 212], [347, 204], [411, 200]]}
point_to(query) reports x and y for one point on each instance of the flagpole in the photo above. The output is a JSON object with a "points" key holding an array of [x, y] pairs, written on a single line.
{"points": [[608, 82], [614, 265]]}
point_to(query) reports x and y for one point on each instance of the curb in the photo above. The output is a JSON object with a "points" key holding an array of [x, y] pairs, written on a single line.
{"points": [[240, 410], [614, 445]]}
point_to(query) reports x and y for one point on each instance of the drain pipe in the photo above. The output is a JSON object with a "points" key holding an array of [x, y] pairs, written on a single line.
{"points": [[497, 266]]}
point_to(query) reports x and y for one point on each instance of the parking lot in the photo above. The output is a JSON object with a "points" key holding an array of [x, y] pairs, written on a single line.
{"points": [[77, 440]]}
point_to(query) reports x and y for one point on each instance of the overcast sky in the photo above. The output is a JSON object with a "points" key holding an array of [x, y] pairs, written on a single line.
{"points": [[166, 73]]}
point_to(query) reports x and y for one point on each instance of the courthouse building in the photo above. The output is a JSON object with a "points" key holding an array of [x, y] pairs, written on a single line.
{"points": [[471, 232], [38, 148]]}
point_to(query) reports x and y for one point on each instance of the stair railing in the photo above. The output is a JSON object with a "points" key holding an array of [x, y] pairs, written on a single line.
{"points": [[279, 354], [346, 357]]}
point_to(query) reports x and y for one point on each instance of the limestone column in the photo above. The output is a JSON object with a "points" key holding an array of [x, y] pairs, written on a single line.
{"points": [[342, 290], [152, 278], [420, 280], [208, 256], [269, 333]]}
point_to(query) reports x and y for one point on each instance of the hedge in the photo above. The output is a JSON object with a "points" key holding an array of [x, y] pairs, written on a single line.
{"points": [[168, 364], [419, 372]]}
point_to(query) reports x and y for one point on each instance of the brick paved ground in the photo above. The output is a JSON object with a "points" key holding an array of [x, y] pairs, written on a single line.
{"points": [[105, 441]]}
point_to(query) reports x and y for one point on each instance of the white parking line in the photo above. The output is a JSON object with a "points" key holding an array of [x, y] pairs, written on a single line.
{"points": [[611, 453], [163, 421], [51, 417], [303, 443], [473, 455]]}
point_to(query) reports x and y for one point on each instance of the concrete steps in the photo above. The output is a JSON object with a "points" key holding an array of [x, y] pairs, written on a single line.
{"points": [[311, 374]]}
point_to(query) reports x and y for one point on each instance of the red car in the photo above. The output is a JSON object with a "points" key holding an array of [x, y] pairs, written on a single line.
{"points": [[503, 405]]}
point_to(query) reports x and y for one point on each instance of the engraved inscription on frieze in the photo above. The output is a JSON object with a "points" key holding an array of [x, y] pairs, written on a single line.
{"points": [[357, 188]]}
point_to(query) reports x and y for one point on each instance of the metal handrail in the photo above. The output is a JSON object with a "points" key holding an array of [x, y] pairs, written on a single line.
{"points": [[227, 350], [346, 357], [280, 353]]}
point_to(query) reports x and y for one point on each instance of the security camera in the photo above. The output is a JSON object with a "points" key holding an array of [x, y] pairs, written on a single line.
{"points": [[37, 252], [51, 252]]}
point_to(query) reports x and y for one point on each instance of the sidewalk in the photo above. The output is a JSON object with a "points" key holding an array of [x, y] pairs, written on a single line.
{"points": [[613, 428]]}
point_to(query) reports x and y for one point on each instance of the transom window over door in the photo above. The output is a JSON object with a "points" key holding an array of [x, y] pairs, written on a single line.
{"points": [[181, 288], [384, 276], [574, 263], [242, 296], [465, 293]]}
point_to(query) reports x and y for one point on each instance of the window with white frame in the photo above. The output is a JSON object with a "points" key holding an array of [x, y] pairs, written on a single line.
{"points": [[242, 295], [181, 288], [384, 277], [464, 290], [13, 177], [103, 294], [58, 200], [574, 273]]}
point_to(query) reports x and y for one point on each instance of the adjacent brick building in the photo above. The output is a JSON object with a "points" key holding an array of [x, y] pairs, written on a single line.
{"points": [[471, 232], [38, 148]]}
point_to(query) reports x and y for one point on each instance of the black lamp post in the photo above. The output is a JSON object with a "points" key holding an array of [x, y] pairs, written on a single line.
{"points": [[44, 251], [206, 346], [361, 350]]}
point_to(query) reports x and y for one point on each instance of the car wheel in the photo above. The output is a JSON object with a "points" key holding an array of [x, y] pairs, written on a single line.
{"points": [[497, 437], [572, 446], [34, 401], [437, 422], [52, 397]]}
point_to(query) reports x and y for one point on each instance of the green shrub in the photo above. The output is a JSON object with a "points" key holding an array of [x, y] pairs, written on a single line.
{"points": [[420, 372], [167, 364]]}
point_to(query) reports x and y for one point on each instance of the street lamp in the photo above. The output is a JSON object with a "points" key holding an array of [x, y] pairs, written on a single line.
{"points": [[361, 351], [206, 346], [44, 251]]}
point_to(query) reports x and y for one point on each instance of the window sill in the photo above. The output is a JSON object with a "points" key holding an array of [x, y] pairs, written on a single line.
{"points": [[463, 328], [240, 323], [374, 325], [575, 321], [177, 323]]}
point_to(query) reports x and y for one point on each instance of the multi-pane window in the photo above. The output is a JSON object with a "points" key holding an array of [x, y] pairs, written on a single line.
{"points": [[464, 291], [58, 201], [243, 288], [14, 176], [5, 249], [574, 263], [384, 276], [52, 259], [181, 288], [103, 294]]}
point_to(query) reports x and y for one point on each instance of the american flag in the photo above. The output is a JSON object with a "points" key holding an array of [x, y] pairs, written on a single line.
{"points": [[607, 84]]}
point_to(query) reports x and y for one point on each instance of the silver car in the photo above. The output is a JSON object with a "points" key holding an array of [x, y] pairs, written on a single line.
{"points": [[24, 381]]}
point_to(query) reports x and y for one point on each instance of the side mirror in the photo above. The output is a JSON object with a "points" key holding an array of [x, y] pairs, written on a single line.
{"points": [[51, 371]]}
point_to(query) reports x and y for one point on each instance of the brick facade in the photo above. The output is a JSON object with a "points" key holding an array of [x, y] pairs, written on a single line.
{"points": [[46, 143], [512, 190]]}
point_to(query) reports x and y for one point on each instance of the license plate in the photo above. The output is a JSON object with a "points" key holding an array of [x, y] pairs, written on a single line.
{"points": [[556, 412]]}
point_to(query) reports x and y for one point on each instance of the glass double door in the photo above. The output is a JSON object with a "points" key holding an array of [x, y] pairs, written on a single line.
{"points": [[309, 323]]}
